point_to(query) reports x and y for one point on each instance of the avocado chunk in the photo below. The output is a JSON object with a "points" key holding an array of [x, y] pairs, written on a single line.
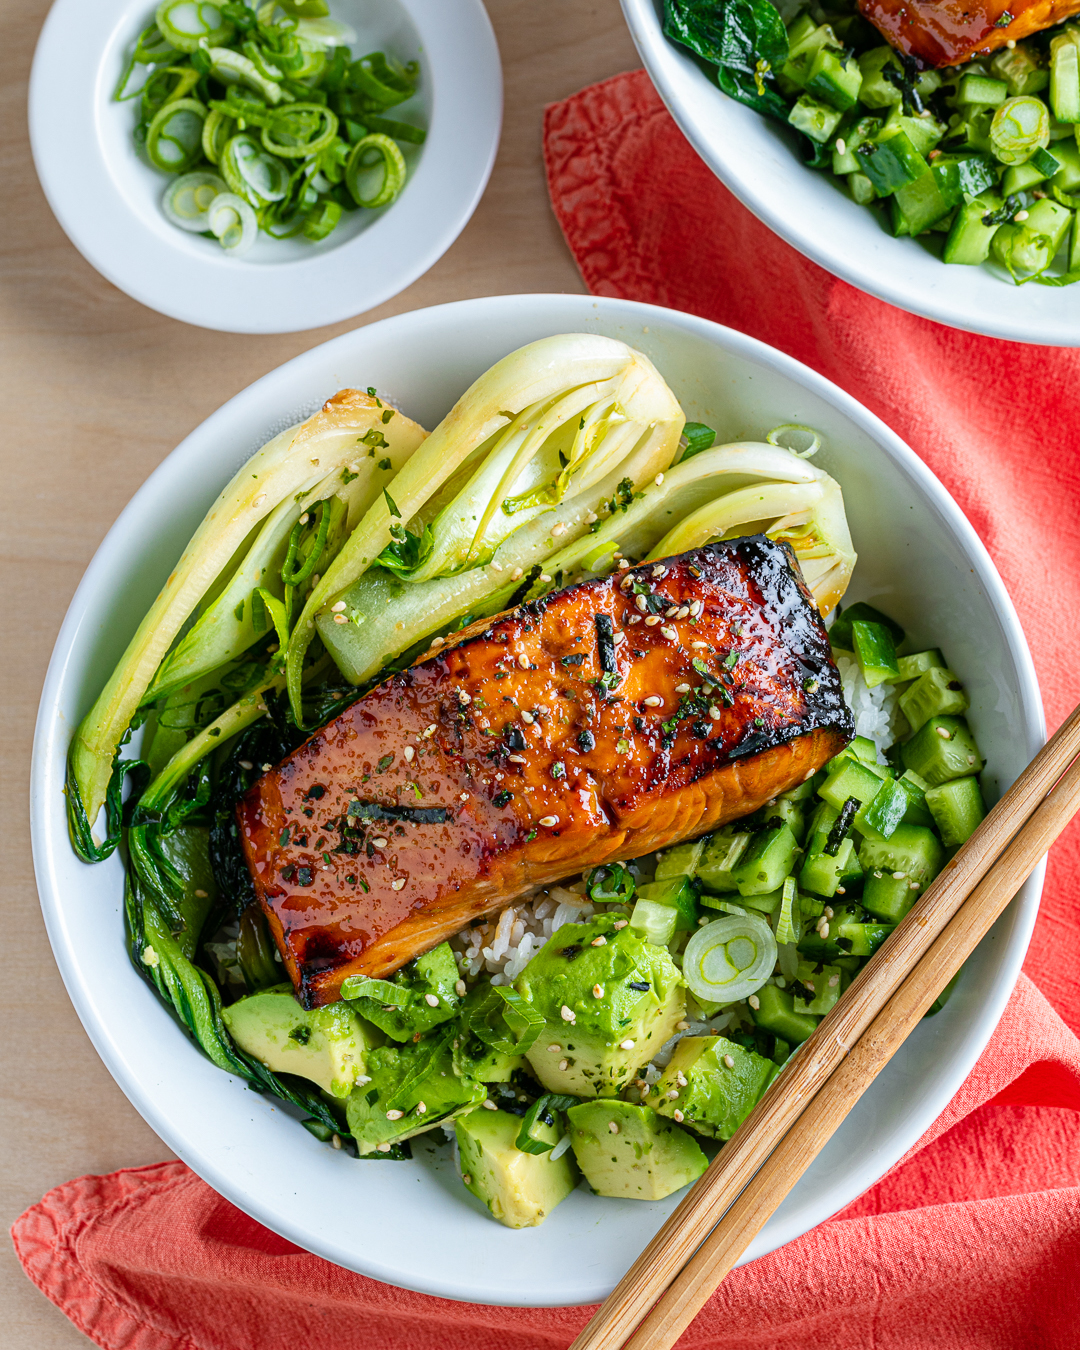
{"points": [[701, 1089], [520, 1189], [402, 1006], [644, 1157], [607, 1007], [409, 1089], [328, 1045]]}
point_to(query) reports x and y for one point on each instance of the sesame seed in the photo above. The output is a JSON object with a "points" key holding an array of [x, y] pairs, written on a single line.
{"points": [[683, 612], [626, 1045], [829, 914], [549, 821], [834, 980], [620, 637], [620, 923], [641, 603], [259, 500], [397, 884], [516, 574], [394, 1115], [672, 1095], [678, 1115], [489, 1105], [564, 1064], [431, 1000], [701, 647], [266, 767], [703, 921], [810, 985], [382, 1148], [652, 620], [527, 717], [840, 890], [841, 146], [613, 1127], [600, 941], [654, 701], [464, 796], [430, 731], [670, 633], [336, 1140], [464, 698], [714, 711], [201, 895], [754, 1002], [567, 1014], [623, 564], [671, 612], [523, 661], [459, 988], [421, 1108], [632, 619], [467, 1179], [379, 843], [591, 518], [659, 571], [697, 607], [659, 479], [899, 876], [729, 1062], [336, 609], [913, 886], [544, 576], [682, 688], [340, 618], [554, 1049], [680, 1078], [598, 991], [1010, 43], [497, 567], [438, 642], [682, 1026], [558, 528], [824, 929], [944, 732], [516, 759], [246, 764]]}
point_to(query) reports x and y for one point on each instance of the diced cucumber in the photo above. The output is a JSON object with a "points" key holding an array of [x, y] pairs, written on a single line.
{"points": [[776, 1013], [961, 176], [865, 751], [840, 636], [1073, 259], [876, 91], [1065, 78], [982, 89], [923, 132], [891, 161], [958, 808], [911, 667], [790, 813], [723, 850], [875, 652], [802, 793], [834, 79], [799, 30], [821, 822], [822, 873], [680, 861], [1021, 68], [917, 813], [1047, 162], [1019, 177], [911, 850], [862, 939], [889, 898], [816, 120], [845, 161], [1067, 178], [970, 236], [935, 692], [655, 922], [861, 189], [1028, 248], [827, 984], [675, 893], [767, 861], [850, 779], [944, 748], [879, 818]]}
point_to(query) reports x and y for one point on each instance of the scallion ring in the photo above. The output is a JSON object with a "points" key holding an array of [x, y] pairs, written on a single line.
{"points": [[174, 137], [251, 173], [184, 24], [384, 83], [218, 129], [321, 220], [233, 222], [1021, 126], [375, 173], [795, 429], [234, 68], [188, 199], [729, 959], [299, 130]]}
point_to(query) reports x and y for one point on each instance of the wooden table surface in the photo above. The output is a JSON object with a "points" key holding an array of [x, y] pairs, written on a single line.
{"points": [[98, 390]]}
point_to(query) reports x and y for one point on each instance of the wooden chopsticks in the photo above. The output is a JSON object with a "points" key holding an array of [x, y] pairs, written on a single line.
{"points": [[836, 1065]]}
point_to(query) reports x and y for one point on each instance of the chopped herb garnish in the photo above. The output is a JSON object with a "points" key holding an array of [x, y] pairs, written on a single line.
{"points": [[731, 660], [384, 763], [586, 741], [502, 798], [605, 643]]}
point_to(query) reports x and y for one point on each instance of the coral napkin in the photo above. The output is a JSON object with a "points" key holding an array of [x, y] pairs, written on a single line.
{"points": [[973, 1241]]}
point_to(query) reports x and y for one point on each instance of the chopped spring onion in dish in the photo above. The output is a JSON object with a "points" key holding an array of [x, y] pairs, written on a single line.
{"points": [[269, 101], [523, 643], [962, 137]]}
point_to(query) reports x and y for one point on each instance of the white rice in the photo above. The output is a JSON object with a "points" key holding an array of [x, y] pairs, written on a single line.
{"points": [[502, 946], [877, 711]]}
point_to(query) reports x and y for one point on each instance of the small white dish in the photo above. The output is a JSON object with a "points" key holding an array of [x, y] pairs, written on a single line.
{"points": [[107, 196], [757, 160], [413, 1224]]}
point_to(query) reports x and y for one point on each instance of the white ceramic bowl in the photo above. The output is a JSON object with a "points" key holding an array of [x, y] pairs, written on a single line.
{"points": [[758, 161], [107, 195], [413, 1224]]}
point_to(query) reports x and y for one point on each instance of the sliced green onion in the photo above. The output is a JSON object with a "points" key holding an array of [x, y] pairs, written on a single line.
{"points": [[251, 173], [321, 220], [527, 1140], [174, 137], [187, 200], [326, 32], [698, 438], [524, 1021], [186, 24], [363, 986], [299, 129], [1020, 127], [218, 130], [233, 222], [729, 959], [796, 429], [234, 68], [789, 920], [399, 131], [375, 173], [383, 81], [610, 884]]}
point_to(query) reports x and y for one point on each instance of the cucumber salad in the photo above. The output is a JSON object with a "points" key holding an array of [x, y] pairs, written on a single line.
{"points": [[264, 119], [979, 160], [619, 1027]]}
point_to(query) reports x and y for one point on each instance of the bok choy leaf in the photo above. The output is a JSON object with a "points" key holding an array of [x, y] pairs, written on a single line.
{"points": [[745, 39], [353, 443]]}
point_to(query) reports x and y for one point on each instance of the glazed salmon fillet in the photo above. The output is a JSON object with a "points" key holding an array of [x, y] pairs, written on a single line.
{"points": [[601, 722], [946, 32]]}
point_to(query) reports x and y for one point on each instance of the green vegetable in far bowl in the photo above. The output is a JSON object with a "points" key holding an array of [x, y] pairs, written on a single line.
{"points": [[265, 118]]}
